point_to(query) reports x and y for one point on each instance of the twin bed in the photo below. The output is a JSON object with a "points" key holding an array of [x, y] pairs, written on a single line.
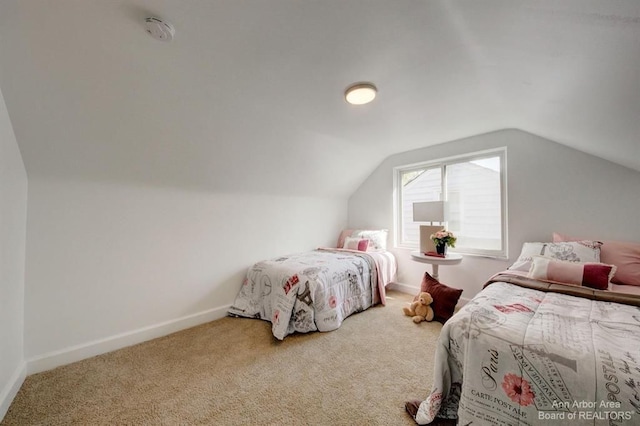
{"points": [[317, 290], [533, 350]]}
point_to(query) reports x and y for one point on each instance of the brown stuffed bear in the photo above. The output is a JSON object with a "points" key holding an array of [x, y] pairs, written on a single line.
{"points": [[420, 309]]}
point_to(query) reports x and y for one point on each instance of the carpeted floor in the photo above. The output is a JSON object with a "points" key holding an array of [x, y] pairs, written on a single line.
{"points": [[234, 372]]}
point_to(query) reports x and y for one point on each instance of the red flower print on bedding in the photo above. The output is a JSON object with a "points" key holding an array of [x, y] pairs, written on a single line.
{"points": [[435, 401], [333, 302], [518, 389], [276, 317], [291, 282], [514, 307]]}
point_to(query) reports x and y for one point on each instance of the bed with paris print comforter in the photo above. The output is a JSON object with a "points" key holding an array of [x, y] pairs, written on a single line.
{"points": [[526, 352], [314, 290]]}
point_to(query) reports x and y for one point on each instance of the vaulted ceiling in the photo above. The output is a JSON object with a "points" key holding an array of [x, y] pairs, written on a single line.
{"points": [[249, 94]]}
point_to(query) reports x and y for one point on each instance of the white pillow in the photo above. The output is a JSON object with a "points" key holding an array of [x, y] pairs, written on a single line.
{"points": [[575, 251], [377, 238]]}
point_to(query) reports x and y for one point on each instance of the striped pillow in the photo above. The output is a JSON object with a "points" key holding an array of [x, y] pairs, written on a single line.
{"points": [[360, 244], [588, 274]]}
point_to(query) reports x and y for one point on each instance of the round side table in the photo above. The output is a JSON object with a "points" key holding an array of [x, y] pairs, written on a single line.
{"points": [[449, 259]]}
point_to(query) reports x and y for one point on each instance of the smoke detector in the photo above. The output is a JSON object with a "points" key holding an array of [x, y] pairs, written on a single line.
{"points": [[159, 29]]}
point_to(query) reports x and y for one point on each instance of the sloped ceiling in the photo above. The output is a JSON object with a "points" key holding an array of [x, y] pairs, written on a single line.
{"points": [[249, 94]]}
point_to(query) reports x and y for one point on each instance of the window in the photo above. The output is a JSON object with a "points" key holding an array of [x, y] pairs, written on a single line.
{"points": [[474, 190]]}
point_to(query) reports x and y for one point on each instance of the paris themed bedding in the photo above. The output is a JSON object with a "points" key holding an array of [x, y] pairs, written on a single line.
{"points": [[526, 352], [314, 290]]}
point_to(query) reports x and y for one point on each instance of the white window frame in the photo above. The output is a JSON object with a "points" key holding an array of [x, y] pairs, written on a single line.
{"points": [[443, 163]]}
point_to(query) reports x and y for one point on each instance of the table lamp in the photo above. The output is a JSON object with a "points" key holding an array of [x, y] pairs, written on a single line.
{"points": [[428, 211]]}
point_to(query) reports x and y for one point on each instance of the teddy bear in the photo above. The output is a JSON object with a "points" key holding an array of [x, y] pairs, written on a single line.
{"points": [[420, 309]]}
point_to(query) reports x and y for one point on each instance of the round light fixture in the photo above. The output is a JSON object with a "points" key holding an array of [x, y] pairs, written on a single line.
{"points": [[360, 93]]}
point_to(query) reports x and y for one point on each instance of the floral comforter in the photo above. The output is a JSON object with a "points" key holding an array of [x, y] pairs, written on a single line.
{"points": [[519, 356], [309, 291]]}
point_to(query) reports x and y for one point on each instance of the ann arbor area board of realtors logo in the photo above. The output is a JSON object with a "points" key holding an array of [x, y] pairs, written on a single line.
{"points": [[587, 410]]}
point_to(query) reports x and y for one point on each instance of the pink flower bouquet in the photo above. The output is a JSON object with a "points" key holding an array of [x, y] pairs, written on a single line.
{"points": [[444, 237]]}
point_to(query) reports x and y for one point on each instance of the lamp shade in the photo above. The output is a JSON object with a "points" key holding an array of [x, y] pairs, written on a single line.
{"points": [[428, 211]]}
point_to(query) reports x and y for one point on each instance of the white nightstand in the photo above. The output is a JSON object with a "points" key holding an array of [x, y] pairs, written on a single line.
{"points": [[450, 259]]}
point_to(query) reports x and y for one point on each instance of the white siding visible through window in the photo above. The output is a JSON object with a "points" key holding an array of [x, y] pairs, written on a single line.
{"points": [[427, 186], [473, 190], [474, 205]]}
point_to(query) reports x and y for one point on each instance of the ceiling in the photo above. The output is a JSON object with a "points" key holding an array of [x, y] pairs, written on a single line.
{"points": [[249, 94]]}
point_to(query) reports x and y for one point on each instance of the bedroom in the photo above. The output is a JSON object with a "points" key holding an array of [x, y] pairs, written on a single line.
{"points": [[150, 175]]}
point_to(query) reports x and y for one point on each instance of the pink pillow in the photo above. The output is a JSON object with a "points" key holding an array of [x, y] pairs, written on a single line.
{"points": [[593, 275], [359, 244], [344, 234], [625, 255]]}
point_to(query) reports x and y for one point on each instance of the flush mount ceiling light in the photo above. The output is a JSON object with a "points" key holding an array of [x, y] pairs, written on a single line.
{"points": [[360, 93]]}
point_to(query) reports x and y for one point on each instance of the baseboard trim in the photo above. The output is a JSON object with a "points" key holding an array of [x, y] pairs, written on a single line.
{"points": [[75, 353], [11, 389], [403, 288]]}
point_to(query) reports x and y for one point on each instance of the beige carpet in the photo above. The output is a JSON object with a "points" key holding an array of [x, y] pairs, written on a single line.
{"points": [[233, 372]]}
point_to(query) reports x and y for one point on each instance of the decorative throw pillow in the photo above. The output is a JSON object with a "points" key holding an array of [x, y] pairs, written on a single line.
{"points": [[625, 255], [344, 234], [445, 298], [523, 263], [575, 251], [359, 244], [593, 275], [378, 238]]}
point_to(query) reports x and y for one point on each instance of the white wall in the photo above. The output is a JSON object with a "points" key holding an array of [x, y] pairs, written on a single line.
{"points": [[13, 217], [550, 188], [110, 265]]}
